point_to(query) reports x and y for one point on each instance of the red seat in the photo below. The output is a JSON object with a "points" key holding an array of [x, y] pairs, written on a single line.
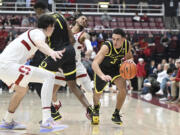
{"points": [[113, 24], [158, 19], [151, 19], [152, 25], [129, 24], [120, 19], [121, 24], [97, 18], [128, 19]]}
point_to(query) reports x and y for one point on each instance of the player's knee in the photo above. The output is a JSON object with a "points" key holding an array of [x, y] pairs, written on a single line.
{"points": [[50, 76]]}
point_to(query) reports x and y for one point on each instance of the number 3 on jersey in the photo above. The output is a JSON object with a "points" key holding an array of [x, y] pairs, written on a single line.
{"points": [[24, 70]]}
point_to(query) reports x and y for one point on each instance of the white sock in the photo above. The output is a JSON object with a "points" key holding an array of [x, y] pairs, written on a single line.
{"points": [[46, 97], [46, 115], [8, 116]]}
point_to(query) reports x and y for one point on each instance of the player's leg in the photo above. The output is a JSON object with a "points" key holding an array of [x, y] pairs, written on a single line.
{"points": [[15, 100], [121, 95], [82, 77], [99, 86], [48, 79]]}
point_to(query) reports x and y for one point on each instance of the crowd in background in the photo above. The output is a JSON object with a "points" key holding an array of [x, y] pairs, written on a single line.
{"points": [[156, 55]]}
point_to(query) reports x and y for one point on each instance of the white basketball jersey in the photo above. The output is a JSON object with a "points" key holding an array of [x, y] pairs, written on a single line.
{"points": [[20, 49], [78, 46]]}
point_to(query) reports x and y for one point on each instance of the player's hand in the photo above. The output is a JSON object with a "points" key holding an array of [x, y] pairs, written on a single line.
{"points": [[106, 78], [129, 61], [57, 54]]}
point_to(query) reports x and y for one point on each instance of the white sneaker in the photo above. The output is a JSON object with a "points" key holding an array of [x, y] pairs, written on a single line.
{"points": [[163, 99], [148, 97], [51, 126], [160, 92], [12, 125]]}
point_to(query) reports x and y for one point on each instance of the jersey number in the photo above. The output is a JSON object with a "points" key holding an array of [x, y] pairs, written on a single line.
{"points": [[24, 70]]}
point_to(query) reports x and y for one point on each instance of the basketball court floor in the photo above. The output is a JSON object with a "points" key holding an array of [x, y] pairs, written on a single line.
{"points": [[139, 117]]}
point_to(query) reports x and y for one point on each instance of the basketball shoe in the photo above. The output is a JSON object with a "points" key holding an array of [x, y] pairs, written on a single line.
{"points": [[95, 116], [116, 118], [12, 125], [55, 111], [50, 125], [89, 113]]}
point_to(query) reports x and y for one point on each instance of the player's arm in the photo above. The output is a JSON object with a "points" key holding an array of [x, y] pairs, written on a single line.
{"points": [[44, 48], [85, 39], [98, 60]]}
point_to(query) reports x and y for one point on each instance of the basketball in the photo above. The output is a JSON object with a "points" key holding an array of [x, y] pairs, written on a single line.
{"points": [[128, 70]]}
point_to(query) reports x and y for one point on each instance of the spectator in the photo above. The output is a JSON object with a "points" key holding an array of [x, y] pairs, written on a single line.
{"points": [[94, 43], [176, 84], [67, 15], [152, 67], [141, 73], [32, 20], [144, 18], [164, 86], [171, 63], [161, 76], [25, 22], [105, 17], [136, 18], [165, 40]]}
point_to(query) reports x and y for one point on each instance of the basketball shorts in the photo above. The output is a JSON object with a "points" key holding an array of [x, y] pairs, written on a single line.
{"points": [[82, 77], [100, 84], [19, 74], [67, 63]]}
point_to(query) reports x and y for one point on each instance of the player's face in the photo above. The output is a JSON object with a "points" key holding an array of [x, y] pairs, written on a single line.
{"points": [[50, 30], [39, 11], [116, 39], [82, 21]]}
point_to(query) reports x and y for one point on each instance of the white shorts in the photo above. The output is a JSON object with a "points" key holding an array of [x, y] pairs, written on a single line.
{"points": [[82, 77], [19, 74]]}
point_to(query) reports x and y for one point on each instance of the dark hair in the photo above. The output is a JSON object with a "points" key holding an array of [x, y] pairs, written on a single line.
{"points": [[45, 20], [119, 32], [40, 5], [169, 71]]}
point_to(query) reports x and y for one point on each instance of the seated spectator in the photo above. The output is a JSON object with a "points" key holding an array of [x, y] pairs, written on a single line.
{"points": [[176, 84], [67, 15], [144, 18], [32, 20], [25, 22], [105, 17], [165, 40], [164, 86], [136, 18], [161, 76], [152, 67], [150, 87], [94, 43]]}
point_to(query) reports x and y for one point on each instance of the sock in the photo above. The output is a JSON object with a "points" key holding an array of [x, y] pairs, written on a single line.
{"points": [[46, 114], [116, 111], [8, 117]]}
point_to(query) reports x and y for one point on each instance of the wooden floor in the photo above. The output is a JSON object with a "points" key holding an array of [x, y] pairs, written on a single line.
{"points": [[139, 117]]}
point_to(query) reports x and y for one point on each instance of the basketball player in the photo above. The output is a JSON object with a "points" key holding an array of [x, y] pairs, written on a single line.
{"points": [[106, 67], [82, 39], [61, 38], [14, 72]]}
